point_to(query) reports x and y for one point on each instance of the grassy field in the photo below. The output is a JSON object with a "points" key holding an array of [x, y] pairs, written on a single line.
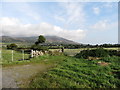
{"points": [[7, 56], [112, 48], [81, 73], [72, 52]]}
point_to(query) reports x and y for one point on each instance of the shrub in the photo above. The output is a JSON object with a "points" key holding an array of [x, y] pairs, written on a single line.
{"points": [[12, 46], [99, 52], [114, 53]]}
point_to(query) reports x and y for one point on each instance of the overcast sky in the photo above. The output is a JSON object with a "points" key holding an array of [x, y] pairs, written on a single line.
{"points": [[86, 22]]}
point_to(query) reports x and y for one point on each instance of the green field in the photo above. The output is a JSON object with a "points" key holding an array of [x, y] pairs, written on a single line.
{"points": [[72, 52], [7, 56]]}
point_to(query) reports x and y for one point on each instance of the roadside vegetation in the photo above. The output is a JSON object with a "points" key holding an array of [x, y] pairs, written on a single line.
{"points": [[81, 73]]}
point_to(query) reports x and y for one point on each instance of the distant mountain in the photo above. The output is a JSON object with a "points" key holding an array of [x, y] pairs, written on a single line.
{"points": [[31, 40], [56, 39], [8, 39]]}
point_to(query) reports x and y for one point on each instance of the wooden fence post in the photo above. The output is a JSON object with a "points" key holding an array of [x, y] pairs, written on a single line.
{"points": [[23, 54], [32, 53], [12, 55], [0, 56]]}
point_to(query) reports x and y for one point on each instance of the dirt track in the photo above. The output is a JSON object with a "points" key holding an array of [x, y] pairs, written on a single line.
{"points": [[19, 76]]}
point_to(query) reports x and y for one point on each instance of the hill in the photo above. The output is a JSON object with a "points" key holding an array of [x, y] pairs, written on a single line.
{"points": [[31, 40]]}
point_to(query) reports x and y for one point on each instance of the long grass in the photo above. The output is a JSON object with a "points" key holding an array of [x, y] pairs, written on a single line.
{"points": [[80, 73]]}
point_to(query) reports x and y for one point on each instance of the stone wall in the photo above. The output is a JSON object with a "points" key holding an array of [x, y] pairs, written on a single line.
{"points": [[35, 53]]}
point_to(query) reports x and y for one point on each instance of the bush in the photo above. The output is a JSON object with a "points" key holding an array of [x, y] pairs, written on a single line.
{"points": [[114, 53], [99, 52], [12, 46]]}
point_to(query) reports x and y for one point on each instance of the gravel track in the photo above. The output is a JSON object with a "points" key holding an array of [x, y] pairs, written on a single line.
{"points": [[19, 76]]}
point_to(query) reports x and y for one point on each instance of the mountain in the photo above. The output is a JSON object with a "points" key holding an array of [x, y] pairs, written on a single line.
{"points": [[56, 39], [31, 40], [8, 39]]}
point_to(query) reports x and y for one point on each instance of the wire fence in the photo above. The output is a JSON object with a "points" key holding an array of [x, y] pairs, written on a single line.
{"points": [[12, 55]]}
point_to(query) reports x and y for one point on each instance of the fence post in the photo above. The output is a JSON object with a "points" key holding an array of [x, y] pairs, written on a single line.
{"points": [[23, 54], [12, 55], [0, 56], [32, 54]]}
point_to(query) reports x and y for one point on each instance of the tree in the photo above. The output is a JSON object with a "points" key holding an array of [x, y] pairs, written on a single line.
{"points": [[38, 47], [41, 39], [12, 46]]}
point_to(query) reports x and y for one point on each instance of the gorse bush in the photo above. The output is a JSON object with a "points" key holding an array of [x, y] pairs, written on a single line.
{"points": [[99, 52]]}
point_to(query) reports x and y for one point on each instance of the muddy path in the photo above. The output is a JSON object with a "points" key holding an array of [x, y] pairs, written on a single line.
{"points": [[20, 76]]}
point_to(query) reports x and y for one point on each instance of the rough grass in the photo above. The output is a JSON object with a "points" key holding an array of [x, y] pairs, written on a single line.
{"points": [[81, 73], [7, 56]]}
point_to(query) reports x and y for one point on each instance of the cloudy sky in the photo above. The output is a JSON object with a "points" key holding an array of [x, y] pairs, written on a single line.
{"points": [[84, 22]]}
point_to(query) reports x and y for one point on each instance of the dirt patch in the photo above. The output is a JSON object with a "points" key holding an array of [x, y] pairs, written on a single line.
{"points": [[103, 63], [94, 58], [19, 76]]}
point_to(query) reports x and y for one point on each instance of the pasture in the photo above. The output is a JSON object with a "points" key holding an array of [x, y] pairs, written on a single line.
{"points": [[7, 60], [72, 52], [7, 56]]}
